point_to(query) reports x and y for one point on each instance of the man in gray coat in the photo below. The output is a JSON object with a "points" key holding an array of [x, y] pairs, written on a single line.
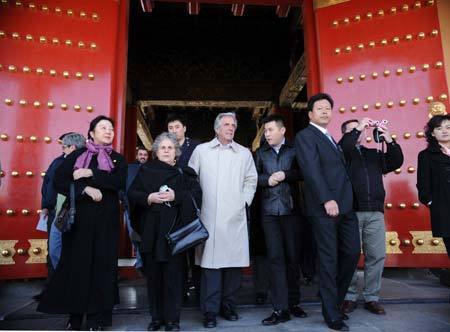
{"points": [[228, 179]]}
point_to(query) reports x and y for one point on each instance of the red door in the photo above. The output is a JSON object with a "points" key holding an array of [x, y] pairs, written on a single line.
{"points": [[384, 59], [62, 63]]}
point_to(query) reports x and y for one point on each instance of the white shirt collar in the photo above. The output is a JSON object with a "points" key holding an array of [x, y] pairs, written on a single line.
{"points": [[278, 147], [322, 129]]}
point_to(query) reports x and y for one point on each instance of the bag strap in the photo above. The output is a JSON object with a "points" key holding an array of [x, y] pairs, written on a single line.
{"points": [[197, 210]]}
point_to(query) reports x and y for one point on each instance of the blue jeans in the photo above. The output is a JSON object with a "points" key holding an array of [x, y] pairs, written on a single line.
{"points": [[139, 263], [55, 245]]}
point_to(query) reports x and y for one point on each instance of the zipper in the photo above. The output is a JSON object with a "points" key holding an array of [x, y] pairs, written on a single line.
{"points": [[366, 171]]}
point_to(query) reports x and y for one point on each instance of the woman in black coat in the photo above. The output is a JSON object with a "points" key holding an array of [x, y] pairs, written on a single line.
{"points": [[161, 196], [433, 176], [85, 281]]}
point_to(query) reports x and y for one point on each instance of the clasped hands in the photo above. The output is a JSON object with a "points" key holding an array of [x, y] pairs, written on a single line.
{"points": [[92, 192], [276, 178], [161, 197]]}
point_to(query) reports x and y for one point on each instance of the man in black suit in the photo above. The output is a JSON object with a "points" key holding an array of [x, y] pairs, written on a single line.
{"points": [[278, 176], [329, 204]]}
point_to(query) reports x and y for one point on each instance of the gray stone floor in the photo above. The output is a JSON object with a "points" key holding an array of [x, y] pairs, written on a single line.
{"points": [[414, 301]]}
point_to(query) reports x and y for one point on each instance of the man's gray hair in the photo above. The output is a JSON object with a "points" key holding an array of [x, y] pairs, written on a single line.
{"points": [[163, 136], [222, 115], [78, 140]]}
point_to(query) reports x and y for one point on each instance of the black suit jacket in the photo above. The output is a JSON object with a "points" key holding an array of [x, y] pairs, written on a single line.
{"points": [[324, 170]]}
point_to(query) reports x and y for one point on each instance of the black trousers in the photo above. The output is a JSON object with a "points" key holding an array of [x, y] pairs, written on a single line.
{"points": [[282, 234], [260, 275], [50, 268], [447, 245], [338, 248], [219, 288], [164, 287], [193, 270]]}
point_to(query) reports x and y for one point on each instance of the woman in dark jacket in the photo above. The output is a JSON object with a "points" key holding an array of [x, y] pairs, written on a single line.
{"points": [[433, 176], [161, 196], [85, 281]]}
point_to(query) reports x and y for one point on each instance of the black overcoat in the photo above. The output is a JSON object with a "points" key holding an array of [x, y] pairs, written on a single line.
{"points": [[153, 222], [85, 280], [433, 184]]}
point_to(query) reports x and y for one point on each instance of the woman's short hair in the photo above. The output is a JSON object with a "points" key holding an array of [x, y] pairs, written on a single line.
{"points": [[163, 136], [432, 124], [222, 115], [78, 140], [95, 122]]}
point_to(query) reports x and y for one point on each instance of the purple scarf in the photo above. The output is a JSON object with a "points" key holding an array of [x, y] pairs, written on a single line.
{"points": [[102, 151]]}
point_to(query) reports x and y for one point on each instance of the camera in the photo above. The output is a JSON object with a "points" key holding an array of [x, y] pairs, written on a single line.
{"points": [[376, 133]]}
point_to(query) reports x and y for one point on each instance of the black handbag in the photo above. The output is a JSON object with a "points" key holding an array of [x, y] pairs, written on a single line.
{"points": [[187, 236], [65, 218]]}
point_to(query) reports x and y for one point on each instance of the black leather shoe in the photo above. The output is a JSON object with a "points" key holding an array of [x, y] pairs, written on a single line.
{"points": [[172, 326], [155, 325], [338, 325], [277, 317], [297, 311], [70, 327], [210, 320], [229, 314]]}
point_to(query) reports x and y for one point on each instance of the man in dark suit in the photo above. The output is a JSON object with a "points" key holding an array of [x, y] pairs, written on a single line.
{"points": [[329, 204]]}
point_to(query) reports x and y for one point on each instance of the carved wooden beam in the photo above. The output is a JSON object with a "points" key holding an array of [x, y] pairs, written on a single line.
{"points": [[147, 6], [283, 10], [238, 9], [193, 8], [294, 84], [207, 103], [143, 131]]}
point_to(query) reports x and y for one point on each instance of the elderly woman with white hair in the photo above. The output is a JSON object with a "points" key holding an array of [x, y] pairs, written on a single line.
{"points": [[161, 194]]}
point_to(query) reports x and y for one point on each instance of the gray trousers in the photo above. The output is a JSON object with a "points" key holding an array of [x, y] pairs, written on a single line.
{"points": [[219, 288], [372, 232]]}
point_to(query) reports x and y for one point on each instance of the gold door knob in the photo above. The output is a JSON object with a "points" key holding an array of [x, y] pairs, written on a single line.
{"points": [[435, 242], [6, 253]]}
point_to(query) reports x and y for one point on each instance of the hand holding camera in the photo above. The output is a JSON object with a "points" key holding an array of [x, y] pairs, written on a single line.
{"points": [[380, 131]]}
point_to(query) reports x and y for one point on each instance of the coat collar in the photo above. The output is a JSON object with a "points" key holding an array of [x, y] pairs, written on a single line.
{"points": [[215, 143], [287, 143]]}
